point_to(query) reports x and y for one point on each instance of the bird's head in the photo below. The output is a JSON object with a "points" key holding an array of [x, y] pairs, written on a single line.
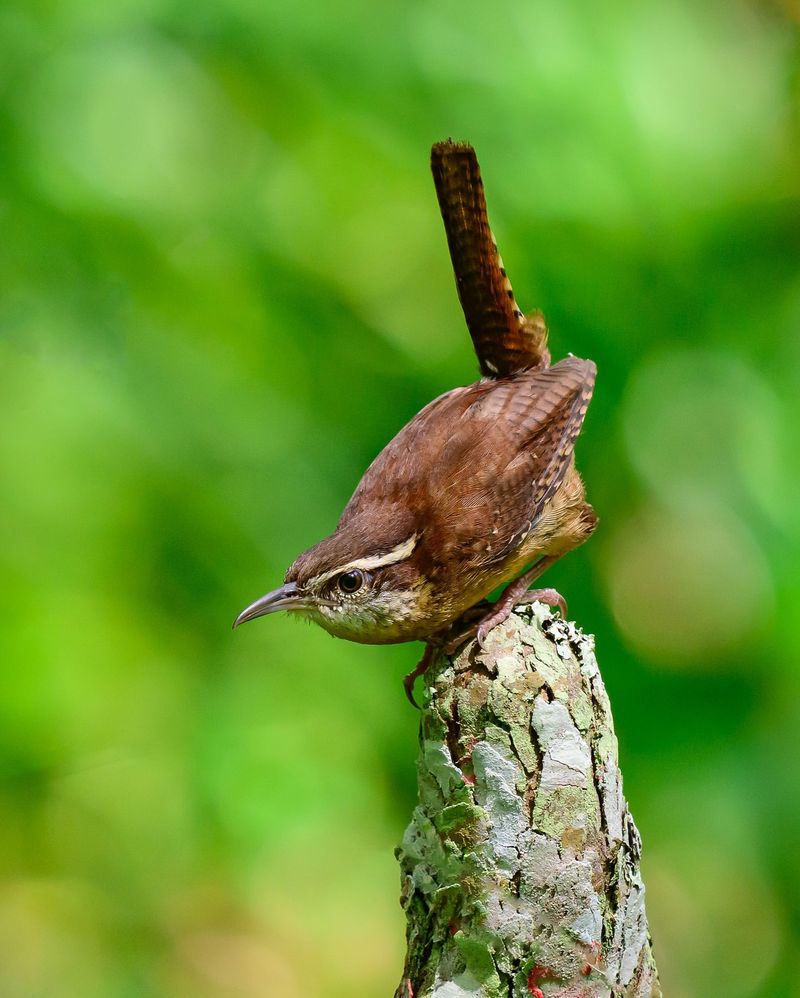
{"points": [[374, 594]]}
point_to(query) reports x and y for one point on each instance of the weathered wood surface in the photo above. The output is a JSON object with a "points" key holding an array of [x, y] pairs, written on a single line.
{"points": [[520, 868]]}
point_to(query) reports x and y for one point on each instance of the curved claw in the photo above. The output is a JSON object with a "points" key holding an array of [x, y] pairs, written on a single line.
{"points": [[487, 625], [420, 669], [552, 597], [408, 686]]}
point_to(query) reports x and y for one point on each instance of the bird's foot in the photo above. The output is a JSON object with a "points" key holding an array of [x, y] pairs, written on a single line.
{"points": [[500, 611], [452, 646], [551, 597], [421, 667]]}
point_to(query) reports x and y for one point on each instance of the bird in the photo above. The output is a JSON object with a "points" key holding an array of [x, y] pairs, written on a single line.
{"points": [[479, 490]]}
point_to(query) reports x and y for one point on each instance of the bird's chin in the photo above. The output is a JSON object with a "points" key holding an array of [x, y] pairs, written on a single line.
{"points": [[352, 628]]}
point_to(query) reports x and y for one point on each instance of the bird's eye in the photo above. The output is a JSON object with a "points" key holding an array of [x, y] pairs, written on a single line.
{"points": [[350, 582]]}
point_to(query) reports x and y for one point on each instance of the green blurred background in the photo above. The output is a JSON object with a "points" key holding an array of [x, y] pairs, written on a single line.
{"points": [[225, 285]]}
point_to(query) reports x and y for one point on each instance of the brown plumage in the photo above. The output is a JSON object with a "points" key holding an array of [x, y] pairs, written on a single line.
{"points": [[504, 339], [478, 486]]}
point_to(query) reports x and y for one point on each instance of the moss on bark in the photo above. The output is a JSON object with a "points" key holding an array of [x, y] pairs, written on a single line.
{"points": [[520, 867]]}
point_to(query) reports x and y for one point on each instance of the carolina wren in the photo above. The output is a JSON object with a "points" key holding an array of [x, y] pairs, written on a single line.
{"points": [[479, 486]]}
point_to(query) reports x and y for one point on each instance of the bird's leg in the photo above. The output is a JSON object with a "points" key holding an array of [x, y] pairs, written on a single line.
{"points": [[431, 647], [516, 593], [464, 627]]}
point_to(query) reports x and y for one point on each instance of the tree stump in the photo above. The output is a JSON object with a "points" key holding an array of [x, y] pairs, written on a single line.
{"points": [[520, 867]]}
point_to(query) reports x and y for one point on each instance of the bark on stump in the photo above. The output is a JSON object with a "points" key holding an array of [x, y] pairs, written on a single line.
{"points": [[520, 868]]}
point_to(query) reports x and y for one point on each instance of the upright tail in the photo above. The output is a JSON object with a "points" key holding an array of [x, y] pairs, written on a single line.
{"points": [[505, 340]]}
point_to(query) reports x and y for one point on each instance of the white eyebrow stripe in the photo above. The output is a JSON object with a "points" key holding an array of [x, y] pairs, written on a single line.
{"points": [[400, 553]]}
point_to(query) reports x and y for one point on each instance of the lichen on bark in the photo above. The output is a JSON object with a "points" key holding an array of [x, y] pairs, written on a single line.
{"points": [[520, 867]]}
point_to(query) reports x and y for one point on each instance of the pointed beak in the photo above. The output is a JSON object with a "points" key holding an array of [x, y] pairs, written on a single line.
{"points": [[285, 598]]}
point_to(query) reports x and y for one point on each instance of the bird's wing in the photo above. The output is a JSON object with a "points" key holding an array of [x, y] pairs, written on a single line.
{"points": [[474, 469], [524, 431], [504, 339]]}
